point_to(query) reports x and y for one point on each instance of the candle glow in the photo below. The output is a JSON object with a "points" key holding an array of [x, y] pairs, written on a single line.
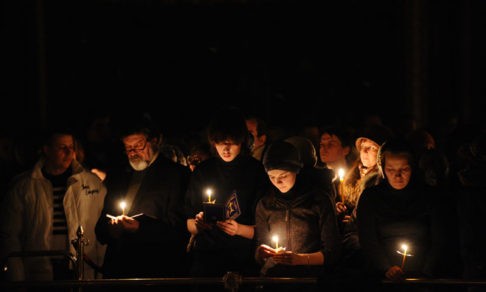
{"points": [[275, 239], [341, 186], [123, 205], [209, 192], [405, 253], [405, 248], [341, 174]]}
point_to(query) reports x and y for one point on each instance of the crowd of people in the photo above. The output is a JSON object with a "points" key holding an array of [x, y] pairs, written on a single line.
{"points": [[349, 206]]}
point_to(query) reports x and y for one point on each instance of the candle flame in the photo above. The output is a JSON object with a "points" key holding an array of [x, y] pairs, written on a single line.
{"points": [[405, 248], [341, 174], [123, 205], [209, 192], [275, 239]]}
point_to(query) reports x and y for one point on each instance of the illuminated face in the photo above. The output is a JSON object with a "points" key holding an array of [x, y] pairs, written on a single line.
{"points": [[331, 151], [59, 154], [283, 180], [138, 150], [227, 150], [397, 170], [368, 153]]}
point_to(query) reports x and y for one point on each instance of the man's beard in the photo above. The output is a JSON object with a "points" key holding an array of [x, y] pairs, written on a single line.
{"points": [[138, 164]]}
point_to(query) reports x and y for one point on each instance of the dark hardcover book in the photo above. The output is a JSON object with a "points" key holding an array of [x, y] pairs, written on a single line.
{"points": [[218, 212], [213, 212]]}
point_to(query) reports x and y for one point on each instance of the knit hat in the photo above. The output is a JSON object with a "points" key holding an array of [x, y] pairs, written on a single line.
{"points": [[376, 133], [282, 155], [306, 149]]}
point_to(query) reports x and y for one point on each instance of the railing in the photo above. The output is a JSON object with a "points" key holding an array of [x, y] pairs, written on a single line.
{"points": [[77, 260], [231, 282]]}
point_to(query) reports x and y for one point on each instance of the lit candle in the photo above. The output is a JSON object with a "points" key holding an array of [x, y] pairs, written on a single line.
{"points": [[341, 174], [341, 186], [405, 248], [275, 239], [123, 205], [209, 192]]}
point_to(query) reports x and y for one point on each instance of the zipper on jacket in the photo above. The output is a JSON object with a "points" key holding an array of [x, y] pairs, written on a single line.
{"points": [[287, 223]]}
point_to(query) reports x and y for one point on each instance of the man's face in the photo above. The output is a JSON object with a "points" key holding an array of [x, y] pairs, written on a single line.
{"points": [[252, 126], [331, 150], [138, 150], [60, 153]]}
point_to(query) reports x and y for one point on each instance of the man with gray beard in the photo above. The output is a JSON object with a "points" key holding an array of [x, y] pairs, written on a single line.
{"points": [[142, 221]]}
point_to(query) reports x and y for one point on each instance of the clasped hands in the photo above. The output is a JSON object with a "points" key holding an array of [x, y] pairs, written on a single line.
{"points": [[279, 256]]}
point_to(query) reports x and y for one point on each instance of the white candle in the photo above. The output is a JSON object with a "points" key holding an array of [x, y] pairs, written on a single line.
{"points": [[123, 205], [209, 192], [405, 248], [275, 239]]}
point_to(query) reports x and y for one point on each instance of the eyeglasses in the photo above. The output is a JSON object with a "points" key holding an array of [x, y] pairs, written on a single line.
{"points": [[140, 146]]}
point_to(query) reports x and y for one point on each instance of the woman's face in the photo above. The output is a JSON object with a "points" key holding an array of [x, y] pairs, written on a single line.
{"points": [[368, 153], [283, 180], [397, 170], [227, 150]]}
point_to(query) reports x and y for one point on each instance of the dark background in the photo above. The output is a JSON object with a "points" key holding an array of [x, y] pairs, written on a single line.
{"points": [[292, 62]]}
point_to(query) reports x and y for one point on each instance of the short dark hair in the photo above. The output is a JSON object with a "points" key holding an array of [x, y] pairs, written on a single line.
{"points": [[343, 135], [397, 146], [57, 130], [228, 124]]}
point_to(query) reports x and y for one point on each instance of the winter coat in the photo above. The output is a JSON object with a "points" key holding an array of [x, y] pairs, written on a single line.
{"points": [[216, 252], [305, 221], [157, 248], [27, 220]]}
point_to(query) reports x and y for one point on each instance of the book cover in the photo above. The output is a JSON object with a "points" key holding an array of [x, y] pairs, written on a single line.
{"points": [[218, 212]]}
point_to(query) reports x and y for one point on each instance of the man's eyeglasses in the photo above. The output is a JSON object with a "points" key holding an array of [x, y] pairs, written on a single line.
{"points": [[140, 146]]}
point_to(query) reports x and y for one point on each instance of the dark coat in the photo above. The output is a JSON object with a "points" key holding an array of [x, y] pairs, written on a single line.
{"points": [[387, 218], [157, 249], [215, 252], [305, 221]]}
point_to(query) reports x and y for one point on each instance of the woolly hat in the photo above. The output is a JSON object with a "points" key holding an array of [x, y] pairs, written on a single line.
{"points": [[282, 155], [376, 133], [306, 149]]}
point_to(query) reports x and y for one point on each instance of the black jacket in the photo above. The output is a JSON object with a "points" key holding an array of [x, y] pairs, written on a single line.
{"points": [[215, 252], [387, 218], [157, 248], [304, 219]]}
